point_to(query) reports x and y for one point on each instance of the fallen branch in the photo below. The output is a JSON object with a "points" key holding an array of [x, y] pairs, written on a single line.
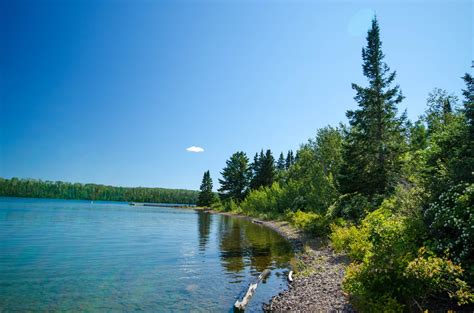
{"points": [[240, 304]]}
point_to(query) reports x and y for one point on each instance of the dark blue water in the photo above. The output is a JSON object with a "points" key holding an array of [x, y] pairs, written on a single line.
{"points": [[61, 255]]}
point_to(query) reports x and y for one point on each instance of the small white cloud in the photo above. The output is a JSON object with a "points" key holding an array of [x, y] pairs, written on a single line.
{"points": [[195, 149]]}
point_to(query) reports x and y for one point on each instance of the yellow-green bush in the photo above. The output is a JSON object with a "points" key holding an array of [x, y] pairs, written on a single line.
{"points": [[434, 275], [388, 271], [310, 222], [351, 240]]}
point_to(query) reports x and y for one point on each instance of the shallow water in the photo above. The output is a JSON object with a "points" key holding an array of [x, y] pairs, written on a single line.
{"points": [[62, 255]]}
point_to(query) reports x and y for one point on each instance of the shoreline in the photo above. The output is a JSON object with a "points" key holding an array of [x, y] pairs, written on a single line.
{"points": [[317, 280]]}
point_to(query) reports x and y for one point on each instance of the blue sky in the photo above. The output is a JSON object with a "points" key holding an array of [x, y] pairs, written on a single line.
{"points": [[113, 92]]}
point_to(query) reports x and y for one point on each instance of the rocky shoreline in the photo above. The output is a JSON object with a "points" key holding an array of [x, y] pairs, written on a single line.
{"points": [[316, 285]]}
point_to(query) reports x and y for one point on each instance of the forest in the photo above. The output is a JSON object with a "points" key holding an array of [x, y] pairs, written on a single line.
{"points": [[395, 195], [32, 188]]}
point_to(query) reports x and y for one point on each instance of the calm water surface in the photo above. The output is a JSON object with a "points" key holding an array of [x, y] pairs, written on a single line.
{"points": [[61, 255]]}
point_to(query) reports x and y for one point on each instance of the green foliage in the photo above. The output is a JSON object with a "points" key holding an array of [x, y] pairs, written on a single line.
{"points": [[33, 188], [281, 163], [206, 196], [311, 182], [263, 170], [352, 206], [290, 159], [235, 177], [468, 94], [310, 222], [266, 202], [418, 136], [350, 239], [229, 205], [375, 140], [450, 220], [432, 276], [440, 109], [382, 248]]}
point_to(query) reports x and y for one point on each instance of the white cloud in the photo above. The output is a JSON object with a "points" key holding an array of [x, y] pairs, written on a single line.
{"points": [[195, 149]]}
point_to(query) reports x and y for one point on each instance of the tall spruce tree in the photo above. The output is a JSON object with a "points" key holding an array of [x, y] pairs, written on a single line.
{"points": [[281, 163], [206, 196], [263, 170], [290, 159], [267, 171], [235, 177], [374, 141], [256, 169]]}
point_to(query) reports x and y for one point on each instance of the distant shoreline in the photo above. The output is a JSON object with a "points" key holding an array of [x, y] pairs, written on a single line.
{"points": [[165, 205]]}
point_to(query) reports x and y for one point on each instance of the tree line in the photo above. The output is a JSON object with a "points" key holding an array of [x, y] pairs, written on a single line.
{"points": [[397, 196], [33, 188]]}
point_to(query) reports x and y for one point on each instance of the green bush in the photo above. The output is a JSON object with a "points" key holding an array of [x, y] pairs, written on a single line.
{"points": [[351, 240], [310, 222], [431, 276], [265, 202], [450, 221], [231, 206], [388, 268]]}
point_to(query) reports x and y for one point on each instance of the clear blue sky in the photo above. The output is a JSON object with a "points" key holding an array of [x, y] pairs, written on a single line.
{"points": [[113, 92]]}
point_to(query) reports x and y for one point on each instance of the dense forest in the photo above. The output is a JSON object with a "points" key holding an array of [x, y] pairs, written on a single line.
{"points": [[397, 196], [33, 188]]}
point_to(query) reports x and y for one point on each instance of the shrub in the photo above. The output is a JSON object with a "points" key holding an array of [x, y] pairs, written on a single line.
{"points": [[265, 202], [450, 221], [431, 276], [351, 240], [388, 270], [310, 222], [231, 206]]}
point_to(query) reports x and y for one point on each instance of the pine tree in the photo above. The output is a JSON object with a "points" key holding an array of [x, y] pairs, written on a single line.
{"points": [[281, 163], [263, 170], [267, 171], [235, 177], [206, 196], [256, 169], [290, 159], [375, 140]]}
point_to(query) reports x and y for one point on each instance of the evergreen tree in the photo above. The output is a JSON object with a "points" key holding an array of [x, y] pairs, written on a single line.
{"points": [[281, 163], [235, 177], [440, 109], [468, 94], [263, 169], [290, 159], [267, 170], [375, 140], [206, 196], [256, 169]]}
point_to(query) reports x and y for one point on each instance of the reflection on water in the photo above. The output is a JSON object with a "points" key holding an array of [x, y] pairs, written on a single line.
{"points": [[63, 255], [204, 225]]}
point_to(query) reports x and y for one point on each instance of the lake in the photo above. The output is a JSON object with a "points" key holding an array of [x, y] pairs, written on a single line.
{"points": [[63, 255]]}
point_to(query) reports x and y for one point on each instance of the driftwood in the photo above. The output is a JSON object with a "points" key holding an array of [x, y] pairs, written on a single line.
{"points": [[240, 304], [257, 222], [290, 277]]}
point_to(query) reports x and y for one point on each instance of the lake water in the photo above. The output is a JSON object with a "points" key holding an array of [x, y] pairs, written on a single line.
{"points": [[62, 255]]}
